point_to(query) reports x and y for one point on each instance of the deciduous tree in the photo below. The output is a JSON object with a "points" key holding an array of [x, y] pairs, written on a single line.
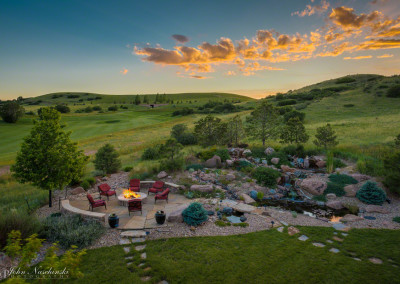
{"points": [[210, 130], [11, 111]]}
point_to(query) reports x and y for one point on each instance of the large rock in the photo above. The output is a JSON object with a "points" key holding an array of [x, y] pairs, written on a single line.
{"points": [[269, 151], [176, 216], [330, 196], [286, 169], [275, 161], [351, 218], [360, 177], [334, 204], [247, 199], [247, 152], [77, 190], [351, 190], [321, 164], [202, 187], [229, 163], [293, 230], [313, 186], [162, 174], [376, 209], [214, 162]]}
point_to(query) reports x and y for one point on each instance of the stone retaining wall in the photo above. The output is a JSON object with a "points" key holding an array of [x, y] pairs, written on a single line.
{"points": [[66, 207]]}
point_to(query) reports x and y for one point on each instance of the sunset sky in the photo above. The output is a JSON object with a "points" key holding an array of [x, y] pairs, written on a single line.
{"points": [[252, 48]]}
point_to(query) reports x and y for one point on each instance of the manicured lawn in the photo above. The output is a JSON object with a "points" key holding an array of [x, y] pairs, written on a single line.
{"points": [[261, 257]]}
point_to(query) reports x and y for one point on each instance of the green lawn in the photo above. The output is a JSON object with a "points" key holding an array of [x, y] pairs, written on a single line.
{"points": [[261, 257]]}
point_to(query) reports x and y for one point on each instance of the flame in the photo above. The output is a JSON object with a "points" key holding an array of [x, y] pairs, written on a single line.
{"points": [[128, 194]]}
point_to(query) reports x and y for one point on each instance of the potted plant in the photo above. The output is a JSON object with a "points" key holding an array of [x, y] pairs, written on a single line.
{"points": [[113, 220], [160, 217]]}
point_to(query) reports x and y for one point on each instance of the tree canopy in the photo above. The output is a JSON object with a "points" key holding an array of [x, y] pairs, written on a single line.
{"points": [[294, 132], [210, 131], [11, 111], [107, 160], [325, 137]]}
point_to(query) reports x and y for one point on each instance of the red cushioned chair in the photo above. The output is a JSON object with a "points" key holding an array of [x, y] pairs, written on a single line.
{"points": [[134, 185], [162, 196], [105, 190], [134, 205], [96, 203], [156, 187]]}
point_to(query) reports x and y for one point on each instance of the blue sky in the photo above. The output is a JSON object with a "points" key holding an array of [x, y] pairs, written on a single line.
{"points": [[51, 46]]}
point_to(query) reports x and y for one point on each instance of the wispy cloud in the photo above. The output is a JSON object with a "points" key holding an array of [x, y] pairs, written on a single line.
{"points": [[358, 57], [311, 10], [124, 71], [385, 56]]}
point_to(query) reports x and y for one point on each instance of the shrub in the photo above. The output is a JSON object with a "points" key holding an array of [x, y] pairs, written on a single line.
{"points": [[223, 154], [337, 163], [97, 108], [348, 105], [335, 188], [88, 109], [266, 176], [242, 164], [91, 180], [107, 159], [207, 154], [258, 152], [370, 193], [283, 159], [392, 172], [370, 166], [287, 102], [221, 223], [63, 108], [85, 184], [27, 224], [396, 219], [71, 230], [329, 162], [342, 179], [195, 167], [394, 92], [294, 113], [346, 79], [113, 108], [172, 164], [284, 109], [295, 150], [243, 225], [128, 168], [187, 139], [151, 153], [11, 111], [319, 198], [195, 214]]}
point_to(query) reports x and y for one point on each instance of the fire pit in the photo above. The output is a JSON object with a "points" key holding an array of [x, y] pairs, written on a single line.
{"points": [[127, 195]]}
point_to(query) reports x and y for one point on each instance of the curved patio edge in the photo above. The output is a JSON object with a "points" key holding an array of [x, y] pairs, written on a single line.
{"points": [[67, 207]]}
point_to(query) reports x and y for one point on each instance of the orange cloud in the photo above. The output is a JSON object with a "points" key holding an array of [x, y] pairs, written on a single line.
{"points": [[124, 71], [311, 10], [180, 38], [385, 56], [358, 57], [345, 18], [380, 44]]}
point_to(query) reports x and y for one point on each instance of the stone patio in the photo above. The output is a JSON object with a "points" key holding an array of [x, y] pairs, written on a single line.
{"points": [[135, 221]]}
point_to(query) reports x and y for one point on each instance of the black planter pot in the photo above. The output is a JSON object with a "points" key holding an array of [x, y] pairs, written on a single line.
{"points": [[160, 217], [113, 221]]}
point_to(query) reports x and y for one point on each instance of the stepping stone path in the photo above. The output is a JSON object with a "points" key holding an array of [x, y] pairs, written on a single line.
{"points": [[329, 241], [334, 250], [375, 260], [280, 229], [356, 258], [320, 245], [337, 239], [303, 238]]}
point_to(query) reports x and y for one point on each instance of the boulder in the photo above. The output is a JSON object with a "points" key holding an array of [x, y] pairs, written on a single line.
{"points": [[313, 186], [162, 174], [360, 177], [230, 177], [275, 161], [351, 189], [253, 194], [321, 164], [351, 218], [331, 196], [214, 162], [334, 204], [176, 216], [293, 231], [201, 187], [285, 169], [247, 152], [77, 190], [376, 209], [306, 163], [269, 151], [229, 163], [247, 199]]}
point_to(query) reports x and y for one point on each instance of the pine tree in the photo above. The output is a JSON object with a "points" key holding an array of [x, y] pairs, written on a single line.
{"points": [[294, 132], [325, 137], [137, 100]]}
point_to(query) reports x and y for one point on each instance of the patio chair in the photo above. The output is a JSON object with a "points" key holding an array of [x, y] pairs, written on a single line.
{"points": [[134, 185], [134, 205], [105, 190], [162, 196], [156, 187], [95, 203]]}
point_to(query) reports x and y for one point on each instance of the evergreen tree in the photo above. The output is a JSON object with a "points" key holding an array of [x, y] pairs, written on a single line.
{"points": [[146, 99], [48, 158], [325, 137], [107, 159], [235, 130], [263, 122], [137, 100], [294, 132]]}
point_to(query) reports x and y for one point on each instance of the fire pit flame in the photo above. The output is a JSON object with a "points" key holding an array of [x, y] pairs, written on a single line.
{"points": [[128, 194]]}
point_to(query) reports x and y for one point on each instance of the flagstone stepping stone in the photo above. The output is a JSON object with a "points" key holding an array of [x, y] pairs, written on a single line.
{"points": [[284, 223], [142, 264], [234, 219], [356, 258], [145, 278], [133, 234], [303, 238], [129, 257], [369, 217], [138, 240], [124, 242], [143, 256], [375, 260], [129, 263], [127, 249], [320, 245], [147, 268], [345, 234], [280, 229], [139, 248], [337, 239], [329, 241], [334, 250], [340, 227]]}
